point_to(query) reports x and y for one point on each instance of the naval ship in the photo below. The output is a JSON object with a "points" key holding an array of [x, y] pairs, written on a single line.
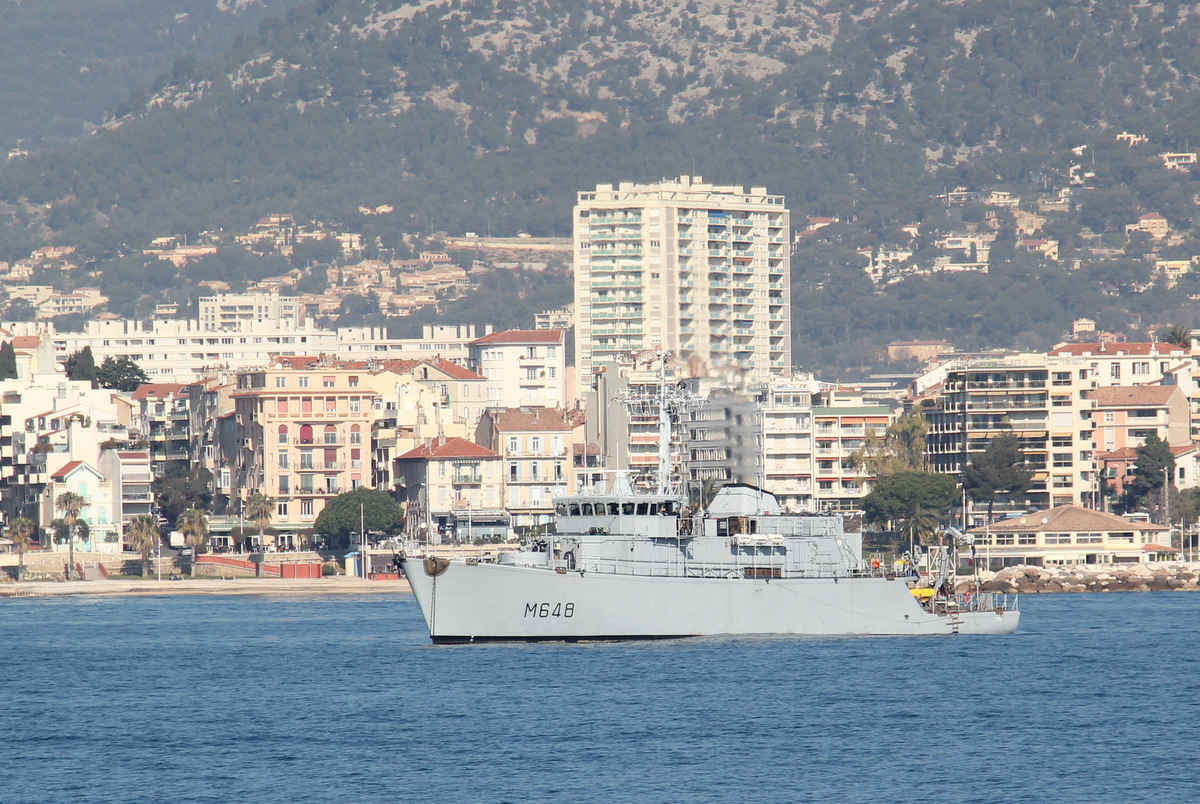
{"points": [[642, 564]]}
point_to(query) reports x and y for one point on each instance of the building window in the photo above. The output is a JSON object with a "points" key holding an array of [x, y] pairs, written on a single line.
{"points": [[283, 459], [328, 382], [1114, 371], [283, 484], [535, 444], [1058, 538], [283, 434], [306, 459], [303, 382], [306, 509], [281, 382], [512, 471], [354, 382], [355, 404], [513, 444], [281, 509], [1141, 368], [355, 435]]}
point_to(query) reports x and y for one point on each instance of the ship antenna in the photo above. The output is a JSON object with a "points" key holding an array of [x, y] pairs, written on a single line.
{"points": [[664, 428]]}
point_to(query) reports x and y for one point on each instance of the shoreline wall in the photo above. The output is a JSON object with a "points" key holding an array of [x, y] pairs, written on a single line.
{"points": [[1162, 576]]}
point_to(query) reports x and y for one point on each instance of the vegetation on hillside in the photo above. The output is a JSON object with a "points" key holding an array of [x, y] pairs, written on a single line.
{"points": [[489, 115]]}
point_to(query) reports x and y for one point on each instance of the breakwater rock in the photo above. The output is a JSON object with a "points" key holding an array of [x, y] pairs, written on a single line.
{"points": [[1161, 576]]}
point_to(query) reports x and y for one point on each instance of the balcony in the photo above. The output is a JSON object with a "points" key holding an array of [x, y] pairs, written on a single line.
{"points": [[467, 480]]}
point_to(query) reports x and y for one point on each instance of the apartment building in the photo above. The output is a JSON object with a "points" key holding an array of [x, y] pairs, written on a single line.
{"points": [[842, 421], [1044, 401], [163, 417], [449, 342], [453, 491], [685, 266], [304, 434], [1146, 363], [536, 446], [1125, 417], [786, 409], [180, 351], [522, 367], [244, 312], [129, 472]]}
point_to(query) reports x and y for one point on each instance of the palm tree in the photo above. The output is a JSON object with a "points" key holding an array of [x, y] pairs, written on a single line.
{"points": [[1177, 335], [71, 504], [921, 522], [20, 530], [258, 510], [193, 523], [142, 534]]}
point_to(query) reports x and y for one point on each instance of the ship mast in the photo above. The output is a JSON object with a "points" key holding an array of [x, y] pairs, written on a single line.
{"points": [[667, 400]]}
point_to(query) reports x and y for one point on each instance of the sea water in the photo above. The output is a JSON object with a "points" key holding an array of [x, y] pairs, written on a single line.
{"points": [[343, 699]]}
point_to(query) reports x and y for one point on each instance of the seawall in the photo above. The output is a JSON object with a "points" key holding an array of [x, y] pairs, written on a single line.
{"points": [[1160, 576]]}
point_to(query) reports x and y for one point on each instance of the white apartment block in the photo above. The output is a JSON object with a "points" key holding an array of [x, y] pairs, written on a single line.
{"points": [[522, 367], [241, 312], [449, 342], [181, 351], [787, 445], [684, 266]]}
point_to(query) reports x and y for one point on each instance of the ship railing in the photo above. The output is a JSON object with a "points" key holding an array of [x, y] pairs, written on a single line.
{"points": [[986, 601]]}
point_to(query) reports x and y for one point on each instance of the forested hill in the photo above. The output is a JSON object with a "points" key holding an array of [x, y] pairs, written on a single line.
{"points": [[67, 61], [470, 110], [488, 115]]}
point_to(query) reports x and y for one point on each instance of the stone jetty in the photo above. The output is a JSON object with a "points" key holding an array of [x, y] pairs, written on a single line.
{"points": [[1163, 576]]}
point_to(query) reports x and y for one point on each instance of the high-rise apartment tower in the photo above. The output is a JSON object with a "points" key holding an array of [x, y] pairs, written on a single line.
{"points": [[693, 268]]}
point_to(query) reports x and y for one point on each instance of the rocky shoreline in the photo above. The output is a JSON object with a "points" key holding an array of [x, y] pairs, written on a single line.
{"points": [[1165, 576]]}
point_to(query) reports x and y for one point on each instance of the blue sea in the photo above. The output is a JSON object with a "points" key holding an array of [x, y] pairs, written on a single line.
{"points": [[343, 699]]}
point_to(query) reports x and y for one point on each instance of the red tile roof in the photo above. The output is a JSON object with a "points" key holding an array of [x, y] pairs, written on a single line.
{"points": [[454, 370], [1122, 396], [66, 470], [521, 336], [1117, 349], [1068, 518], [527, 419], [157, 389], [26, 342], [440, 448]]}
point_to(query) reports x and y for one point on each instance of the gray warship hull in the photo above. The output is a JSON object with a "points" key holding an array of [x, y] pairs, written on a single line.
{"points": [[466, 601]]}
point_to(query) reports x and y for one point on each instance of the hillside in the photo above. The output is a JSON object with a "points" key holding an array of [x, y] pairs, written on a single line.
{"points": [[488, 115], [68, 61]]}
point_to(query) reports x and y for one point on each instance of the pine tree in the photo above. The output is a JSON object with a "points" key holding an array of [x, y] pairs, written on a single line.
{"points": [[82, 366], [8, 361]]}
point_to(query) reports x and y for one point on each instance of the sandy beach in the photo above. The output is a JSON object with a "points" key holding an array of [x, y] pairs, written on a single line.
{"points": [[206, 586]]}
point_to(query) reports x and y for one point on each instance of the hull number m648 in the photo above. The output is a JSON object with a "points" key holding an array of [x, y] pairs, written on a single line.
{"points": [[543, 610]]}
